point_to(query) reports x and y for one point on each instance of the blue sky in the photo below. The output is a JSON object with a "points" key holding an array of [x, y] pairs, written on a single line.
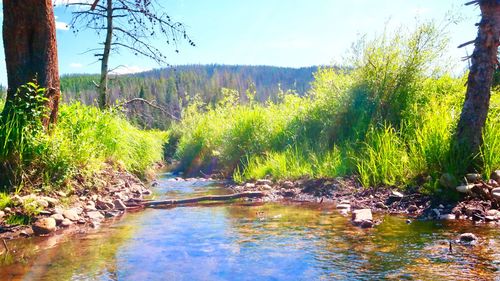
{"points": [[269, 32]]}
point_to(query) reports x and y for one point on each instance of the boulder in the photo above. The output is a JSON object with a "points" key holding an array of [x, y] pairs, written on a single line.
{"points": [[44, 226], [119, 205], [362, 218], [71, 214]]}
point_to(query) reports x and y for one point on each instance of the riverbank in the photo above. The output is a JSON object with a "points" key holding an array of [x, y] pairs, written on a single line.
{"points": [[90, 201], [347, 194]]}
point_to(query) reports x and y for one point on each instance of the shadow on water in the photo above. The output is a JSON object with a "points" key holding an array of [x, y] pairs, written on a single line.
{"points": [[254, 242]]}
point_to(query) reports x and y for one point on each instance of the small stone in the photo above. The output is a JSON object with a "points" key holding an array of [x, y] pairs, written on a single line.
{"points": [[2, 214], [447, 217], [66, 223], [249, 185], [345, 201], [62, 194], [263, 182], [412, 209], [104, 205], [147, 192], [490, 218], [343, 206], [467, 237], [473, 177], [287, 185], [119, 205], [95, 215], [493, 213], [265, 187], [52, 201], [44, 226], [495, 192], [42, 203], [58, 210], [397, 194], [495, 176], [441, 206], [71, 214], [362, 217], [381, 205], [58, 217], [7, 210], [408, 221], [464, 188]]}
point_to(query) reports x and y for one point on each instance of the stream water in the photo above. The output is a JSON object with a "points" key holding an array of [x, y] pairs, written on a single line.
{"points": [[253, 242]]}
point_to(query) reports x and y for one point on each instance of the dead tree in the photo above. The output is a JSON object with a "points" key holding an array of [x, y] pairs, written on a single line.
{"points": [[468, 138], [129, 25]]}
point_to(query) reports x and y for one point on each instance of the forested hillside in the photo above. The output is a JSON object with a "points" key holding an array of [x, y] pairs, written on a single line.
{"points": [[173, 88]]}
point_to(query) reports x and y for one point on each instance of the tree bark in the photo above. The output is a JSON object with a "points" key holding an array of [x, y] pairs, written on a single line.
{"points": [[29, 35], [103, 84], [468, 137]]}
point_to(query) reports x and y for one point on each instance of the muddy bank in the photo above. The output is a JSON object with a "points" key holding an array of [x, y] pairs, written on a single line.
{"points": [[349, 195], [107, 194]]}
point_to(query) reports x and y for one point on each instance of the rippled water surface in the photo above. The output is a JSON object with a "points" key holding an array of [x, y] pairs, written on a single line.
{"points": [[253, 242]]}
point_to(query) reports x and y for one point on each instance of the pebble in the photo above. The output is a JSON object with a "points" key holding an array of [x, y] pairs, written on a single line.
{"points": [[467, 238], [71, 214], [343, 206]]}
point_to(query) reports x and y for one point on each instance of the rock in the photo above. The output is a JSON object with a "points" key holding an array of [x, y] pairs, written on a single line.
{"points": [[66, 223], [95, 215], [491, 218], [263, 182], [104, 205], [265, 187], [395, 196], [345, 201], [448, 180], [147, 192], [7, 210], [495, 176], [343, 206], [52, 201], [249, 185], [408, 221], [492, 183], [119, 205], [467, 238], [493, 213], [381, 205], [470, 211], [465, 188], [287, 185], [495, 192], [42, 202], [447, 217], [412, 209], [362, 217], [58, 217], [62, 193], [436, 213], [473, 177], [2, 214], [44, 226], [71, 214]]}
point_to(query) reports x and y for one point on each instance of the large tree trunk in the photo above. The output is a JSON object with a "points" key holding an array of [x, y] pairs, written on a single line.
{"points": [[477, 99], [29, 35], [103, 84]]}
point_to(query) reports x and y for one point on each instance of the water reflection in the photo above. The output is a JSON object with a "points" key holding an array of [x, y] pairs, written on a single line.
{"points": [[255, 242]]}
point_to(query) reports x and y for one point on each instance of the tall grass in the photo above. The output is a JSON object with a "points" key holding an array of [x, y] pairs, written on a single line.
{"points": [[388, 118], [84, 140]]}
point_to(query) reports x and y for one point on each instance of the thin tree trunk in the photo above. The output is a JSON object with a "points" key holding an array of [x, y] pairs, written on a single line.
{"points": [[103, 85], [29, 35], [483, 64]]}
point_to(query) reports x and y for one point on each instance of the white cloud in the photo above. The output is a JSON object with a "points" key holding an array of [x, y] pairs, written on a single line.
{"points": [[61, 25], [76, 65], [126, 69]]}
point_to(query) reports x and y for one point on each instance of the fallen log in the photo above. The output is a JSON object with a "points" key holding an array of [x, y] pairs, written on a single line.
{"points": [[203, 198]]}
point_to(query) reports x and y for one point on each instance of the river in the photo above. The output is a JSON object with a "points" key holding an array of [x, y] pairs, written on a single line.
{"points": [[242, 241]]}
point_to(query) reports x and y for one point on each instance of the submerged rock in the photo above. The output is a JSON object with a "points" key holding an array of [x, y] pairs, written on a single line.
{"points": [[44, 226], [95, 215], [467, 238]]}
